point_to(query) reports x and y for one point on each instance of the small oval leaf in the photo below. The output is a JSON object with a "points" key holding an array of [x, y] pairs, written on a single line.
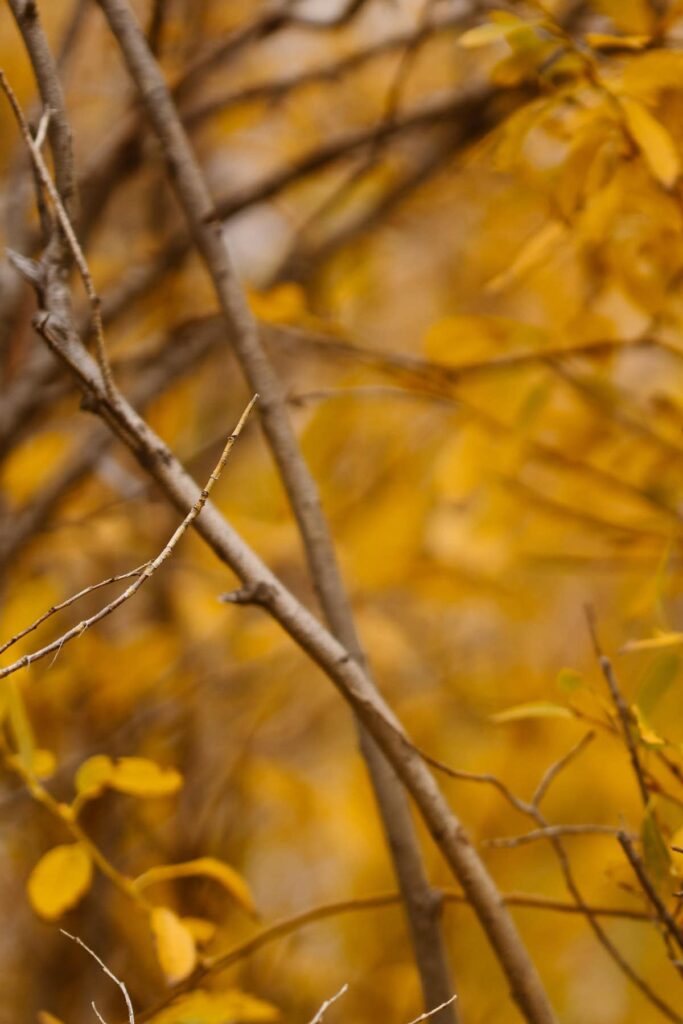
{"points": [[176, 951], [200, 1007], [93, 775], [59, 880], [138, 776]]}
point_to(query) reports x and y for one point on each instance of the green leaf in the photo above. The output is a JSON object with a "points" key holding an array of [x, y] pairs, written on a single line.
{"points": [[535, 709], [658, 678]]}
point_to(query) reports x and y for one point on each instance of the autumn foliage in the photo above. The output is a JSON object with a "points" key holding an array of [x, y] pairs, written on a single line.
{"points": [[444, 241]]}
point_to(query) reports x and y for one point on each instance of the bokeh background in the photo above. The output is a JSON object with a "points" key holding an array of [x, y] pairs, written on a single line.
{"points": [[467, 259]]}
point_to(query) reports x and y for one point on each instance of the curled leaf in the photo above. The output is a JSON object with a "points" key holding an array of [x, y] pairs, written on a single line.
{"points": [[59, 880], [209, 867]]}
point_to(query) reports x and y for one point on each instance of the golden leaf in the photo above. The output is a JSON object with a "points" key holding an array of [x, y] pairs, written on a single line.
{"points": [[534, 709], [93, 775], [654, 141], [216, 1008], [59, 880], [208, 867], [138, 776], [176, 951], [653, 643]]}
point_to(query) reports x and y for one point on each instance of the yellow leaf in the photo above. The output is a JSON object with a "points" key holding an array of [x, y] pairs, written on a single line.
{"points": [[654, 141], [201, 1007], [653, 643], [201, 930], [209, 867], [93, 775], [175, 946], [647, 733], [482, 35], [47, 1018], [44, 763], [20, 724], [284, 303], [139, 777], [59, 880], [532, 253], [534, 709], [605, 41]]}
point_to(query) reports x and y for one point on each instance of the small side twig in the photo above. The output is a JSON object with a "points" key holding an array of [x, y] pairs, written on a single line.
{"points": [[435, 1010], [620, 704], [328, 1002], [648, 888], [148, 570], [34, 148], [108, 972]]}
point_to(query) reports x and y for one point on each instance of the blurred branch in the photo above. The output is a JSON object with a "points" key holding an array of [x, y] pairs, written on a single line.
{"points": [[532, 810], [622, 708]]}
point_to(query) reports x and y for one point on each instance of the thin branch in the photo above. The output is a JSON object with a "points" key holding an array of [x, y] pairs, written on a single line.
{"points": [[555, 769], [328, 1002], [110, 974], [141, 576], [549, 832], [69, 233], [621, 706], [430, 1013], [648, 888], [65, 604]]}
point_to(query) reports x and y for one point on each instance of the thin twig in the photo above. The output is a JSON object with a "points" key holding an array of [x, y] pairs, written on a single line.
{"points": [[110, 974], [430, 1013], [69, 233], [328, 1002], [550, 831], [620, 704], [559, 766], [148, 570], [648, 888]]}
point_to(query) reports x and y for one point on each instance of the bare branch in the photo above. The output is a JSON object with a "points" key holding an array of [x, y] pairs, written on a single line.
{"points": [[141, 575], [328, 1002], [110, 974], [621, 706]]}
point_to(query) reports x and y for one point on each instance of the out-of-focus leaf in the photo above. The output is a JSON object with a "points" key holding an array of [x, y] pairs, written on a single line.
{"points": [[20, 725], [44, 763], [656, 853], [569, 680], [534, 709], [531, 255], [201, 930], [482, 35], [93, 775], [653, 643], [175, 946], [645, 730], [654, 141], [59, 880], [208, 867], [657, 681], [201, 1007], [605, 41], [138, 776], [44, 1017]]}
